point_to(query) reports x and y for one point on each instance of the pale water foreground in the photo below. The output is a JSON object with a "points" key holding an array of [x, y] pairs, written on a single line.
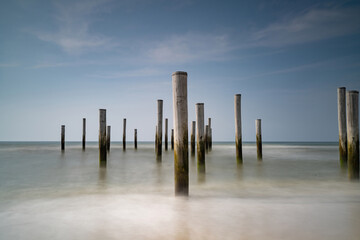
{"points": [[297, 192]]}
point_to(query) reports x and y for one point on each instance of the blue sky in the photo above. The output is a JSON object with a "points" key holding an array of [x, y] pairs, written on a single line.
{"points": [[61, 61]]}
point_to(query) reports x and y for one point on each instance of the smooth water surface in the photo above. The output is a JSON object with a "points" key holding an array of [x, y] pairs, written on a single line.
{"points": [[298, 191]]}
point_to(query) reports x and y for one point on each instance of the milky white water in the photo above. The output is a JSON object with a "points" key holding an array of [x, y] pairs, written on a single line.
{"points": [[297, 192]]}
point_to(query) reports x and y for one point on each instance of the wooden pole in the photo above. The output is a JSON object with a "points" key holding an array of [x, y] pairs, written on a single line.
{"points": [[210, 134], [166, 134], [352, 110], [180, 113], [156, 138], [135, 138], [238, 138], [258, 139], [172, 139], [206, 138], [84, 134], [341, 92], [124, 134], [210, 141], [108, 138], [102, 137], [62, 137], [200, 138], [192, 137], [159, 130]]}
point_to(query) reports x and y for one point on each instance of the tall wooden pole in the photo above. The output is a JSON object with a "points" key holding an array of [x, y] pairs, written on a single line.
{"points": [[352, 111], [62, 137], [192, 137], [166, 134], [341, 92], [206, 138], [135, 138], [210, 134], [159, 129], [172, 139], [108, 132], [258, 139], [200, 137], [102, 137], [238, 138], [84, 134], [124, 134], [156, 139], [180, 114]]}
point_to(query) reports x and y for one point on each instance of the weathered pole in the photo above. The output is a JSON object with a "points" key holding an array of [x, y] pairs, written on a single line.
{"points": [[62, 137], [108, 132], [84, 134], [258, 139], [159, 129], [341, 92], [352, 111], [210, 142], [124, 134], [210, 134], [156, 138], [192, 137], [238, 140], [200, 138], [172, 139], [102, 137], [207, 138], [166, 134], [180, 114], [135, 138]]}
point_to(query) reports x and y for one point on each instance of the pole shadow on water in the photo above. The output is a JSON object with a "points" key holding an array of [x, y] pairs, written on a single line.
{"points": [[201, 177], [239, 171], [102, 178]]}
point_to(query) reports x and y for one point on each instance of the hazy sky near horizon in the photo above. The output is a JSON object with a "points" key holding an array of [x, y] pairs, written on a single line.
{"points": [[61, 61]]}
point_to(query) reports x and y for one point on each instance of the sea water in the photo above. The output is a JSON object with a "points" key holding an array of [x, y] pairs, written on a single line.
{"points": [[298, 191]]}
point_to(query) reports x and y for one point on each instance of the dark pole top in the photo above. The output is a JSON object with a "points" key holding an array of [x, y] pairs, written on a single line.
{"points": [[200, 104], [179, 73], [160, 100], [341, 87], [238, 95], [354, 91]]}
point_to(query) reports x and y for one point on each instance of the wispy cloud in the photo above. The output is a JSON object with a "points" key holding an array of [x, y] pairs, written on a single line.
{"points": [[190, 47], [8, 65], [298, 68], [313, 25], [142, 72], [73, 34]]}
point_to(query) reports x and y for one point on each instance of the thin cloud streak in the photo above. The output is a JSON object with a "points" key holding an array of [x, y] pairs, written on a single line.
{"points": [[143, 72], [8, 65], [293, 69], [313, 25]]}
